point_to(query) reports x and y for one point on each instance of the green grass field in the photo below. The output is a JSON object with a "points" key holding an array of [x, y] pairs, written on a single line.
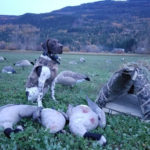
{"points": [[122, 131]]}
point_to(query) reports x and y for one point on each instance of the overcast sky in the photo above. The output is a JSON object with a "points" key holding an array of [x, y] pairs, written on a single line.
{"points": [[19, 7]]}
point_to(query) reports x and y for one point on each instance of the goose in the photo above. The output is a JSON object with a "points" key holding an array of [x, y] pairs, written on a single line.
{"points": [[82, 119], [2, 58], [82, 59], [8, 69], [73, 62], [52, 120], [11, 114], [68, 78], [23, 63]]}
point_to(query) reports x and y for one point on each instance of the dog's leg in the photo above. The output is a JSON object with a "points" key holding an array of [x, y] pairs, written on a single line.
{"points": [[53, 89], [44, 74]]}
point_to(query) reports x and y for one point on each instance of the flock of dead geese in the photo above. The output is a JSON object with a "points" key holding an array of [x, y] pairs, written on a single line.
{"points": [[82, 118]]}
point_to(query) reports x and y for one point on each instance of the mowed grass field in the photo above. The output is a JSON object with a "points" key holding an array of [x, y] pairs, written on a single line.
{"points": [[122, 131]]}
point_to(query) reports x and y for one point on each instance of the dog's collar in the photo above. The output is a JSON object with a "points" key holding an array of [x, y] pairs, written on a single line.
{"points": [[53, 57]]}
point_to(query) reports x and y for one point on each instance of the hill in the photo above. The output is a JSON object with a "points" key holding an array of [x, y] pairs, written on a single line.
{"points": [[97, 26]]}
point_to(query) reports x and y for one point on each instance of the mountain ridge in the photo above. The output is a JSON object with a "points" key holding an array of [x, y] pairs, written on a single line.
{"points": [[97, 26]]}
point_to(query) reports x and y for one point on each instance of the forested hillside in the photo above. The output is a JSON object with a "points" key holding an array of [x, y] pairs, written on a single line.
{"points": [[98, 26]]}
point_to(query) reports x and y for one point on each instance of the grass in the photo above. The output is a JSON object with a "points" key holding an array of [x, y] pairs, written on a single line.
{"points": [[122, 131]]}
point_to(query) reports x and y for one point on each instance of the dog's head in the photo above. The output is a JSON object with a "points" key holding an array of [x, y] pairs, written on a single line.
{"points": [[52, 46]]}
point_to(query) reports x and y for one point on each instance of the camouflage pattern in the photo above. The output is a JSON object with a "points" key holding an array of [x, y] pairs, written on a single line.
{"points": [[142, 89], [119, 84], [133, 78]]}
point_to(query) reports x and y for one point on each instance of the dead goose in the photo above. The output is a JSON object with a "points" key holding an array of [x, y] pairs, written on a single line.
{"points": [[83, 119], [8, 69], [52, 120], [2, 58], [11, 114], [68, 78]]}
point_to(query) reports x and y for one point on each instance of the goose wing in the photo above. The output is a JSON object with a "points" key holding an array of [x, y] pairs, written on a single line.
{"points": [[98, 111]]}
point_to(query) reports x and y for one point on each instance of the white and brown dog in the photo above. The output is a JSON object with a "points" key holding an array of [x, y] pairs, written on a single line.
{"points": [[44, 71]]}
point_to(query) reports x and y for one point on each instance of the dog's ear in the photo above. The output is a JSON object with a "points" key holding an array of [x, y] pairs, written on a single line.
{"points": [[45, 46]]}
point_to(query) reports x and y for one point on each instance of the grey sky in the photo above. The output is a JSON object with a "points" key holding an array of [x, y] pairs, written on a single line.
{"points": [[19, 7]]}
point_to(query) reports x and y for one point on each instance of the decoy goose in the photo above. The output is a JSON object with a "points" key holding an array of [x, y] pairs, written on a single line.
{"points": [[82, 59], [68, 78], [2, 58], [23, 63], [8, 69]]}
